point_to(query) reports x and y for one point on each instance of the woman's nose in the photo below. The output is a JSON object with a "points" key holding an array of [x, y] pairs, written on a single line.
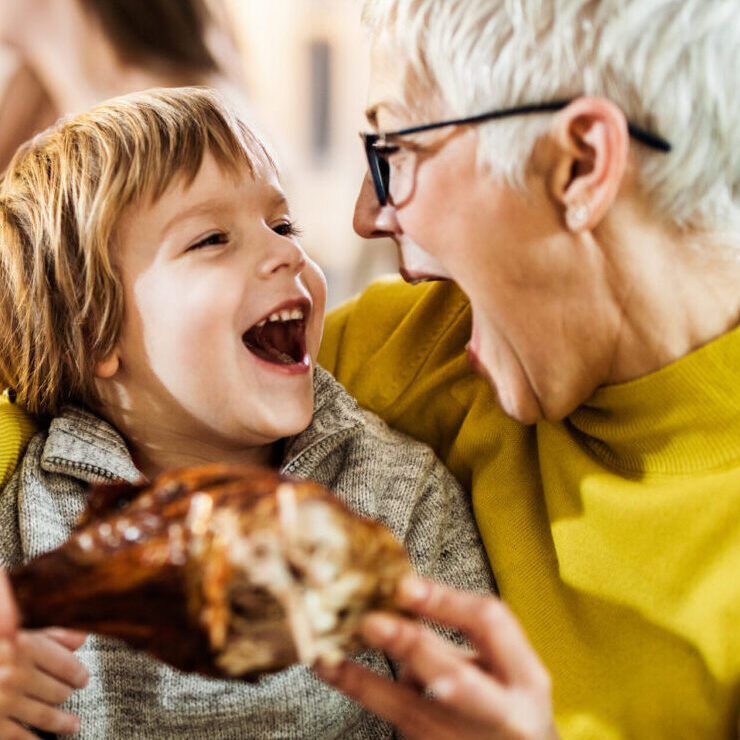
{"points": [[283, 254], [371, 220]]}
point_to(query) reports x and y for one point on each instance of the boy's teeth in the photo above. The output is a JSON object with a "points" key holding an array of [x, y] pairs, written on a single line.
{"points": [[285, 315]]}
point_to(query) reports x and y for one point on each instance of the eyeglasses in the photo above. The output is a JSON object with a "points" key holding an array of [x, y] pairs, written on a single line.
{"points": [[379, 149]]}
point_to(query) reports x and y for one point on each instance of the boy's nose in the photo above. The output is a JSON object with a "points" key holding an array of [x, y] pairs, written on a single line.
{"points": [[283, 254], [371, 220]]}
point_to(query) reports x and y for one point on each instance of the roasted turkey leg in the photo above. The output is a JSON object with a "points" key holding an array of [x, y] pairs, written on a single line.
{"points": [[224, 570]]}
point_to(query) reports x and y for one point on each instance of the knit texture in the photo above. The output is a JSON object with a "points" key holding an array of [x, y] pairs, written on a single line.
{"points": [[375, 471], [614, 535]]}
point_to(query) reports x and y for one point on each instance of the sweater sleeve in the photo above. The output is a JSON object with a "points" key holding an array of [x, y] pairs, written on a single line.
{"points": [[442, 537], [16, 428], [11, 553]]}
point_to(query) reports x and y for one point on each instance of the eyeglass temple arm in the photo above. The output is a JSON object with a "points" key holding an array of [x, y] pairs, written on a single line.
{"points": [[638, 133]]}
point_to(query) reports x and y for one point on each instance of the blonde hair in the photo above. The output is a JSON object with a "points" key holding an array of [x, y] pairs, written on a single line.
{"points": [[667, 63], [61, 300]]}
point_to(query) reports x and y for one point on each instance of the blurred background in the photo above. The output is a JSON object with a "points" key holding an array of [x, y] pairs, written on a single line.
{"points": [[297, 68]]}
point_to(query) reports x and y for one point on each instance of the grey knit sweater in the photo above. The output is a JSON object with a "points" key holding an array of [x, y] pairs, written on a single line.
{"points": [[374, 470]]}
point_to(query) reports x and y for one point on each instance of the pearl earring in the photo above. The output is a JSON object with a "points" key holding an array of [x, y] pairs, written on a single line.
{"points": [[577, 217]]}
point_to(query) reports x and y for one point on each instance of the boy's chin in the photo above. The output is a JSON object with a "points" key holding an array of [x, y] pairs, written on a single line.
{"points": [[289, 420]]}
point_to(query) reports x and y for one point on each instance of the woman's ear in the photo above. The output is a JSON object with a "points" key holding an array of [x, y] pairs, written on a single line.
{"points": [[108, 366], [592, 143]]}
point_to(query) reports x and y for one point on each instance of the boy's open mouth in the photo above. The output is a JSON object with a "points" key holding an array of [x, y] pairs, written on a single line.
{"points": [[279, 338]]}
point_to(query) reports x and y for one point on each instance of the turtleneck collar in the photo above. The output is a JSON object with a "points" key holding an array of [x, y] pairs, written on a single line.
{"points": [[683, 418]]}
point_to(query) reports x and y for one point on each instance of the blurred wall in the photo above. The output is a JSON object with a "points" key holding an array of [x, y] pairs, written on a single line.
{"points": [[306, 63]]}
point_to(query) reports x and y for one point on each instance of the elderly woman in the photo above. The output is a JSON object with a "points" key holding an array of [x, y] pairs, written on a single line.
{"points": [[580, 181]]}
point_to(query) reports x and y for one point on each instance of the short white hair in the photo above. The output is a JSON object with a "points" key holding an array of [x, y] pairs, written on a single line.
{"points": [[671, 66]]}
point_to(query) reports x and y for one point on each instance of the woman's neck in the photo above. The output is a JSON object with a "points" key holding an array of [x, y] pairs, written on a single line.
{"points": [[670, 292], [620, 302]]}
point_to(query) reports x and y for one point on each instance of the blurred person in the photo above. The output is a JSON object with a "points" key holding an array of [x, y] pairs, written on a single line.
{"points": [[574, 166], [72, 54]]}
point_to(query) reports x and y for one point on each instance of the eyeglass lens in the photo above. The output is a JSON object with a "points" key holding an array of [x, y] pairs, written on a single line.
{"points": [[393, 173]]}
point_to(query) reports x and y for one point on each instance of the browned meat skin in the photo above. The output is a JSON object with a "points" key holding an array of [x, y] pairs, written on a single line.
{"points": [[182, 569]]}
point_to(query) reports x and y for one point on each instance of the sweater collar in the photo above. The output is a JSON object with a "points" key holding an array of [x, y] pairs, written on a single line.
{"points": [[680, 419], [84, 446]]}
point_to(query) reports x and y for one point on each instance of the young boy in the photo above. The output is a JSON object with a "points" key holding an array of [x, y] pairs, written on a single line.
{"points": [[158, 310]]}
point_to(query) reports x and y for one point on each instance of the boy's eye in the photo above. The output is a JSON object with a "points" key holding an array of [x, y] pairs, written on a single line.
{"points": [[286, 228], [218, 237]]}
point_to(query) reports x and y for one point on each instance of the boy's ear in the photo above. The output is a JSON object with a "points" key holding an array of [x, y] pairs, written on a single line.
{"points": [[108, 366], [591, 140]]}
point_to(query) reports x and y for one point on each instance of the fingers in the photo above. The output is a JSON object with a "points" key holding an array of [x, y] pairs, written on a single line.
{"points": [[445, 670], [10, 730], [29, 691], [58, 662], [8, 609], [71, 639], [37, 714], [402, 706], [407, 678], [485, 620]]}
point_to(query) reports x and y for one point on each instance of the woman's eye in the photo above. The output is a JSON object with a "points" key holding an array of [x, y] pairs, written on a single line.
{"points": [[218, 237], [286, 228]]}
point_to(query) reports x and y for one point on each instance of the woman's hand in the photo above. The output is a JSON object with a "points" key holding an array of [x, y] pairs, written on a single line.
{"points": [[501, 690], [38, 671]]}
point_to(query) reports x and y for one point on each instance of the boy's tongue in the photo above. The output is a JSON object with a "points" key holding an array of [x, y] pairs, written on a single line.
{"points": [[279, 342]]}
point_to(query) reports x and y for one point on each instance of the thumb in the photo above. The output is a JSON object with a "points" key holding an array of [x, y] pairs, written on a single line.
{"points": [[8, 609]]}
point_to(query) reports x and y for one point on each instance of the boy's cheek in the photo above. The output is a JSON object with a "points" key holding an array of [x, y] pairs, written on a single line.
{"points": [[316, 285]]}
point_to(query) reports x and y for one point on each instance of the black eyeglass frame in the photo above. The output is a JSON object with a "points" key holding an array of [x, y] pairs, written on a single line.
{"points": [[380, 170]]}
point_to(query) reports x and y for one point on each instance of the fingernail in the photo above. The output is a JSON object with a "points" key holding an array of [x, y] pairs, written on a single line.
{"points": [[412, 590], [83, 676], [378, 627], [74, 726], [442, 688]]}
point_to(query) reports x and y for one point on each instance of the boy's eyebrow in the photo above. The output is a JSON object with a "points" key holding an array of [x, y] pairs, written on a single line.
{"points": [[277, 201], [205, 206]]}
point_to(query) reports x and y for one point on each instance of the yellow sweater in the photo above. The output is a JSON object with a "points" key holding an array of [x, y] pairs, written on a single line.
{"points": [[16, 429], [614, 535]]}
